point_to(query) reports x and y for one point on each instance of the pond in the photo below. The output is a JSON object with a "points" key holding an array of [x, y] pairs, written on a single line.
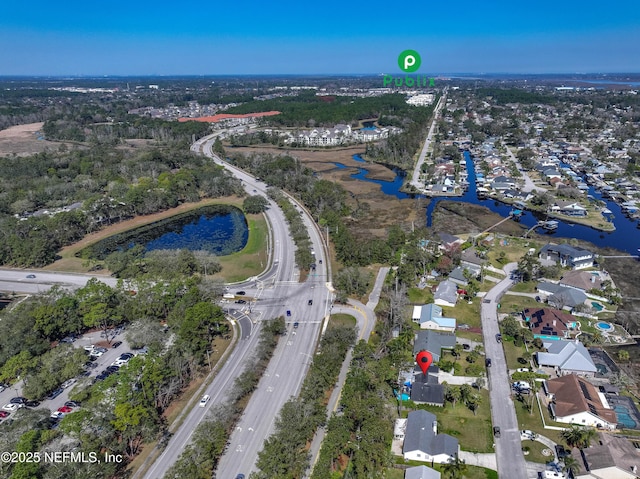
{"points": [[217, 229]]}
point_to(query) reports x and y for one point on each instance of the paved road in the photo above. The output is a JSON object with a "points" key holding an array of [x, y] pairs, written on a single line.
{"points": [[366, 320], [15, 280], [529, 185], [415, 177], [510, 459]]}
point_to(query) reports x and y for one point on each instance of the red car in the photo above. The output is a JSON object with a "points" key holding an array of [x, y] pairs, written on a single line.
{"points": [[4, 414], [65, 409]]}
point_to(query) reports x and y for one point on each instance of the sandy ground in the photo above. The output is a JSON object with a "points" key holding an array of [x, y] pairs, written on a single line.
{"points": [[22, 140]]}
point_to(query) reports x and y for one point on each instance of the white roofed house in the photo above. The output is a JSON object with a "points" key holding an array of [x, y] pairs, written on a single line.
{"points": [[429, 316], [567, 255], [567, 357]]}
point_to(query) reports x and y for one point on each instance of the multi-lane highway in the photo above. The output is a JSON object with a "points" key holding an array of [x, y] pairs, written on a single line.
{"points": [[272, 294], [509, 456], [34, 282]]}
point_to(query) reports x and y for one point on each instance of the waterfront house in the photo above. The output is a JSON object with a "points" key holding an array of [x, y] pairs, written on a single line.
{"points": [[573, 400], [581, 280], [429, 316], [567, 357], [567, 256], [547, 323], [569, 208], [422, 441]]}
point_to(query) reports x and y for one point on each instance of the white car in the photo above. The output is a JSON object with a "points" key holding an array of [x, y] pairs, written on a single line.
{"points": [[11, 407], [204, 400], [67, 383], [57, 415]]}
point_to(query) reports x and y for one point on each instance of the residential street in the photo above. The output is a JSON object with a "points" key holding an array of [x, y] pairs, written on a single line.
{"points": [[510, 459]]}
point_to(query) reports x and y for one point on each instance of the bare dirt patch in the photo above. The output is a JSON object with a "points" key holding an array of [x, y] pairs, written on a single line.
{"points": [[25, 140]]}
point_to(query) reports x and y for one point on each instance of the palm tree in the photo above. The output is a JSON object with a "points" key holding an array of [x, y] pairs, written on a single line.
{"points": [[572, 435], [570, 464], [455, 468]]}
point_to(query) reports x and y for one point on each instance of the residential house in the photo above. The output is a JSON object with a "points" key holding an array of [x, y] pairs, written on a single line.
{"points": [[547, 323], [569, 208], [421, 472], [567, 357], [561, 297], [567, 256], [470, 260], [446, 294], [610, 457], [457, 276], [433, 342], [448, 241], [423, 443], [429, 316], [581, 280], [573, 400], [426, 389]]}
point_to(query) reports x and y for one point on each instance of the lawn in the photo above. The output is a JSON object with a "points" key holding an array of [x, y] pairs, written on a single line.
{"points": [[533, 422], [473, 432], [339, 320], [535, 449], [512, 353], [465, 313], [515, 304], [252, 259], [420, 296], [514, 249], [524, 287], [472, 472]]}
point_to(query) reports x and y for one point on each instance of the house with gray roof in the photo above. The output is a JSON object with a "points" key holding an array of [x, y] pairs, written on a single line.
{"points": [[561, 297], [608, 457], [429, 316], [433, 342], [567, 255], [421, 472], [470, 260], [457, 276], [567, 357], [581, 280], [422, 441], [426, 389], [446, 294]]}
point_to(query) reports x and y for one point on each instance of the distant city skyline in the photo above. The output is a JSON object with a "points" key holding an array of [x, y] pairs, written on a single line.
{"points": [[244, 38]]}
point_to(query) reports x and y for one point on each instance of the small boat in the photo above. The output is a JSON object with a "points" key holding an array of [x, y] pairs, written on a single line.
{"points": [[550, 225], [607, 211]]}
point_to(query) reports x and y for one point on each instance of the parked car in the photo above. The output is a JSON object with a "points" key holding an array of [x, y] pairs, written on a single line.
{"points": [[499, 337], [496, 431], [487, 301], [31, 276], [240, 476], [18, 400], [68, 383], [241, 293], [54, 394], [204, 400], [57, 415], [310, 302], [288, 312], [3, 414], [68, 339], [11, 407], [72, 404], [296, 324], [90, 365], [241, 301], [32, 403], [487, 362], [65, 409], [117, 344]]}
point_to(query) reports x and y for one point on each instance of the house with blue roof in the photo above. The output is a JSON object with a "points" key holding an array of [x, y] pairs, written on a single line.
{"points": [[429, 316]]}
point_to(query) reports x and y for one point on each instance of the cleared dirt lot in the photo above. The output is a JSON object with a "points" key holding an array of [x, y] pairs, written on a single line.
{"points": [[22, 140]]}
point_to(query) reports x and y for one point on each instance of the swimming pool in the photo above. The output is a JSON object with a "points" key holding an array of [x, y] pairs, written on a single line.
{"points": [[604, 326], [597, 306], [624, 416]]}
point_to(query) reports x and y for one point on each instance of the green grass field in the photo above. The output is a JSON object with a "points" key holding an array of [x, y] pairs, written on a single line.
{"points": [[252, 259], [473, 432]]}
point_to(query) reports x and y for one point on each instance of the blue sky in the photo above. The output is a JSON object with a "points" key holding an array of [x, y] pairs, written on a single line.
{"points": [[222, 37]]}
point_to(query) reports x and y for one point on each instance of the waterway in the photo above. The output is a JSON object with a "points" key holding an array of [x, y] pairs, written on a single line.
{"points": [[626, 237]]}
